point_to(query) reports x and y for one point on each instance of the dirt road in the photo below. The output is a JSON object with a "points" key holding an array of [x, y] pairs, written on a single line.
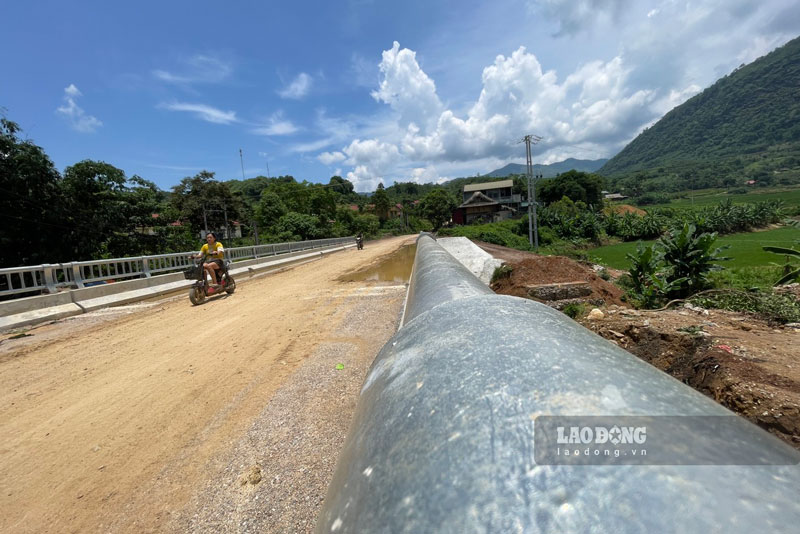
{"points": [[173, 417]]}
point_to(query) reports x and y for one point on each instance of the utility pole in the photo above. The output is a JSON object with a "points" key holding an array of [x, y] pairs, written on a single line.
{"points": [[533, 227], [255, 230], [205, 219], [268, 169], [241, 160], [225, 212]]}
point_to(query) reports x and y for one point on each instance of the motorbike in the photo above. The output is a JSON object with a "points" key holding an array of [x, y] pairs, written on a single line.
{"points": [[359, 243], [202, 287]]}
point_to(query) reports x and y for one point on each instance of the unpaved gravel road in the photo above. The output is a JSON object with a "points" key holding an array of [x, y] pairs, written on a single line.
{"points": [[222, 417]]}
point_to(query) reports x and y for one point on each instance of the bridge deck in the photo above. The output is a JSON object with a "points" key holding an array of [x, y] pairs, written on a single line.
{"points": [[150, 420]]}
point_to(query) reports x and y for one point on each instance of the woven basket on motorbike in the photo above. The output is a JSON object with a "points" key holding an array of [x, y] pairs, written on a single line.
{"points": [[192, 273]]}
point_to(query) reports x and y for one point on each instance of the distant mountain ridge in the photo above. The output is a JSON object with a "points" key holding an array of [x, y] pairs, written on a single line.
{"points": [[551, 170], [753, 110]]}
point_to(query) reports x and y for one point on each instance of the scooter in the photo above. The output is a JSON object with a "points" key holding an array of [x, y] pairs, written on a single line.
{"points": [[202, 287]]}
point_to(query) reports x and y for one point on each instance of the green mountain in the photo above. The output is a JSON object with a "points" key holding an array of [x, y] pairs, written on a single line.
{"points": [[552, 170], [745, 126]]}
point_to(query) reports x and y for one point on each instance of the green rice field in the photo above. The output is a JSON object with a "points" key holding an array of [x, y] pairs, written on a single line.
{"points": [[745, 249]]}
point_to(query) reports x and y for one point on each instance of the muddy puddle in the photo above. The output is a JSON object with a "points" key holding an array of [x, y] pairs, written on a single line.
{"points": [[396, 267]]}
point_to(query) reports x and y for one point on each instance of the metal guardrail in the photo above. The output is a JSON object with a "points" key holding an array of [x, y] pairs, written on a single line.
{"points": [[48, 278], [447, 435]]}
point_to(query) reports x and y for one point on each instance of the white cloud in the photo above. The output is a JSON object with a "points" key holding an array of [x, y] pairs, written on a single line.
{"points": [[329, 158], [372, 159], [276, 125], [197, 69], [79, 120], [298, 88], [363, 179], [407, 89], [203, 112]]}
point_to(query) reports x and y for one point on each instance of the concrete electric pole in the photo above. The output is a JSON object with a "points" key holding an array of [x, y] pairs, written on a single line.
{"points": [[533, 227]]}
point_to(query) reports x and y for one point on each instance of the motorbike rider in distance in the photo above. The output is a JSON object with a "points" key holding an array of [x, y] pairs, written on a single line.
{"points": [[213, 251]]}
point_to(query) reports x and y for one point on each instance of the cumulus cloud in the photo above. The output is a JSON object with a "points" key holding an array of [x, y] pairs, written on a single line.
{"points": [[276, 125], [77, 117], [199, 68], [298, 88], [406, 88], [329, 158], [203, 112]]}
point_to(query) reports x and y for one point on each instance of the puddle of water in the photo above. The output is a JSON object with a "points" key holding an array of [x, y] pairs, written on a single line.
{"points": [[396, 267]]}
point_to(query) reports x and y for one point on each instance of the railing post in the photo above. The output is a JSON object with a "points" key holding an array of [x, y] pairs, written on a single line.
{"points": [[146, 267], [49, 273], [77, 275]]}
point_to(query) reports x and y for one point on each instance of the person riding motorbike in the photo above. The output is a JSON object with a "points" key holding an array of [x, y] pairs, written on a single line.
{"points": [[213, 252]]}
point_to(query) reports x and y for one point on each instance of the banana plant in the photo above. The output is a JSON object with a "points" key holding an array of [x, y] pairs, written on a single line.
{"points": [[792, 272]]}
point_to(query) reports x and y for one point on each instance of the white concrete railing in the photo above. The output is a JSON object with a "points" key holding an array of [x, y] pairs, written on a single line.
{"points": [[48, 278]]}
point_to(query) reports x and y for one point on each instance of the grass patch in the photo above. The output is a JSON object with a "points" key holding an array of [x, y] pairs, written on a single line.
{"points": [[768, 305], [574, 310], [504, 271]]}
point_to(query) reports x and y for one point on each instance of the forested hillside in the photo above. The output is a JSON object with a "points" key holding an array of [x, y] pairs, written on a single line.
{"points": [[745, 126]]}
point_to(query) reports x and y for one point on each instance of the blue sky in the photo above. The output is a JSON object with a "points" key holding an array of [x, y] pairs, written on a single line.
{"points": [[370, 90]]}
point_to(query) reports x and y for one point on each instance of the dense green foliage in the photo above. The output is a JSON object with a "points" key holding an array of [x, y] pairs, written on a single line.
{"points": [[576, 186], [438, 205], [744, 127]]}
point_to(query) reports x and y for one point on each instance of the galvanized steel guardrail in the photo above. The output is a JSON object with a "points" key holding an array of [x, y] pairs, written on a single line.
{"points": [[448, 433], [48, 278]]}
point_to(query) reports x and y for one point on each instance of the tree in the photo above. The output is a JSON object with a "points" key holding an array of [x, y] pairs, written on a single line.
{"points": [[31, 205], [438, 206], [201, 198], [297, 226], [270, 208], [577, 186], [95, 194], [340, 185], [382, 202]]}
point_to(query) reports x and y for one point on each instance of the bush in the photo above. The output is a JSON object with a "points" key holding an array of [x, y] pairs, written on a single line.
{"points": [[574, 310], [504, 271], [649, 199]]}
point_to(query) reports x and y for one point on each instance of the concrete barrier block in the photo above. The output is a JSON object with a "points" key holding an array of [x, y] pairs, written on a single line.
{"points": [[31, 317], [13, 307]]}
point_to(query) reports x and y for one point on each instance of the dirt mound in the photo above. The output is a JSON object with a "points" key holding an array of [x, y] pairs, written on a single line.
{"points": [[622, 209], [539, 270]]}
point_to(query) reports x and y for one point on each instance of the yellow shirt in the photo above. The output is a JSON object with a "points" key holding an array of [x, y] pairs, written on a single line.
{"points": [[218, 250]]}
